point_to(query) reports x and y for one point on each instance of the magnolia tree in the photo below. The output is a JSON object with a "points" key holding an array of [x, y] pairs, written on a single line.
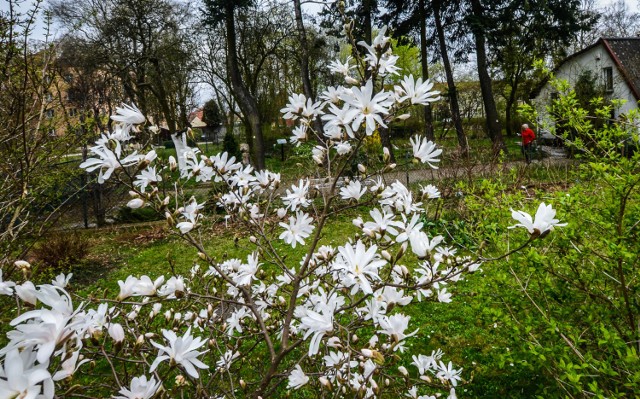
{"points": [[332, 322]]}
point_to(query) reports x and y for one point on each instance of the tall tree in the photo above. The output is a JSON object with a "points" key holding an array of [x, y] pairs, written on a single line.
{"points": [[223, 11], [452, 94], [476, 22], [404, 16], [144, 45], [619, 20], [522, 31]]}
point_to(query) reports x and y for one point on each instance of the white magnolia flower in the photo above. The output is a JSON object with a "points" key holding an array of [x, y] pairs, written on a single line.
{"points": [[367, 108], [413, 393], [128, 114], [316, 323], [395, 326], [141, 388], [226, 359], [191, 213], [398, 197], [318, 154], [298, 229], [146, 287], [418, 92], [294, 106], [22, 379], [27, 292], [332, 94], [247, 272], [427, 363], [299, 134], [181, 350], [62, 280], [6, 287], [447, 372], [353, 191], [109, 159], [338, 67], [173, 288], [544, 221], [297, 378], [127, 287], [343, 147], [148, 176], [338, 122], [383, 222], [421, 245], [358, 265], [444, 296], [430, 191], [425, 151], [297, 196]]}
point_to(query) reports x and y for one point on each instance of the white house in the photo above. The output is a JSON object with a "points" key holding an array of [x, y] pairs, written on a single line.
{"points": [[615, 62]]}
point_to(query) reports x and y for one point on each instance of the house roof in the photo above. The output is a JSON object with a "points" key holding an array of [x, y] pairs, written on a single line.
{"points": [[624, 51], [626, 54]]}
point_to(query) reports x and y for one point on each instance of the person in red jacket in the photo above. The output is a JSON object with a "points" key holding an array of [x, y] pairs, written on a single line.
{"points": [[528, 136]]}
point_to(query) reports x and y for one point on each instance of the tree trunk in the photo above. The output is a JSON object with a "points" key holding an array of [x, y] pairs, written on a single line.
{"points": [[453, 93], [509, 107], [493, 121], [247, 103], [428, 113], [307, 88]]}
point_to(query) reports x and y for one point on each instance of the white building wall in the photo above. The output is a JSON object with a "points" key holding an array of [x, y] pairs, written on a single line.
{"points": [[595, 60]]}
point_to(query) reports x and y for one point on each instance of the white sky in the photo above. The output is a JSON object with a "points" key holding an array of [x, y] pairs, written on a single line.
{"points": [[39, 31]]}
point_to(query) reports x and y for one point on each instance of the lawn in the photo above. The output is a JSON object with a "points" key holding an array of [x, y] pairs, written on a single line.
{"points": [[475, 329]]}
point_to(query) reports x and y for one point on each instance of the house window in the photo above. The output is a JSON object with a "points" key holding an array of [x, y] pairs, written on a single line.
{"points": [[607, 75], [73, 112]]}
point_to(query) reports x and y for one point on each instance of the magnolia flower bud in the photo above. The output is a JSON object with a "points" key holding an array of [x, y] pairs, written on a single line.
{"points": [[116, 332], [135, 203], [325, 382], [351, 80], [362, 168], [253, 239], [282, 213], [22, 264], [369, 232], [403, 370], [386, 255], [403, 117], [367, 352], [386, 155], [243, 384], [180, 380], [172, 163]]}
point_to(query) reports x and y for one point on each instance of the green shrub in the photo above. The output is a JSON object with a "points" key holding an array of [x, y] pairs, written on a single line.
{"points": [[230, 145], [128, 215], [60, 252]]}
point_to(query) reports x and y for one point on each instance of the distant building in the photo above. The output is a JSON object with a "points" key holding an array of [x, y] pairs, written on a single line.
{"points": [[614, 62]]}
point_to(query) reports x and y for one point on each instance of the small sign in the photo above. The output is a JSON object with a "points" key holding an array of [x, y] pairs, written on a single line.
{"points": [[281, 141]]}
